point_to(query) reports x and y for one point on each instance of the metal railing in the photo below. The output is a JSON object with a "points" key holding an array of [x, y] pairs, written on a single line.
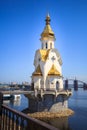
{"points": [[11, 119]]}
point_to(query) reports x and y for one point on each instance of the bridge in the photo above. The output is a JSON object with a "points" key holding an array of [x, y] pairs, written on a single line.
{"points": [[75, 84], [80, 81]]}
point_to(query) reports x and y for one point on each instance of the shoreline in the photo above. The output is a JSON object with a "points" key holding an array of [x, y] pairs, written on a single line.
{"points": [[51, 115]]}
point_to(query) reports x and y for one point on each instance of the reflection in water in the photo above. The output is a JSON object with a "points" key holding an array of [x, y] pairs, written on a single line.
{"points": [[78, 121], [12, 102], [60, 123], [15, 102], [78, 103], [6, 102], [19, 104]]}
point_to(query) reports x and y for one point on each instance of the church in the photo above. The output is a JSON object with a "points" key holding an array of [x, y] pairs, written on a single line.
{"points": [[47, 62], [47, 90]]}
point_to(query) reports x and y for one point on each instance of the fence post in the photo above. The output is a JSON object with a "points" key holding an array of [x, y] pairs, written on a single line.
{"points": [[1, 102]]}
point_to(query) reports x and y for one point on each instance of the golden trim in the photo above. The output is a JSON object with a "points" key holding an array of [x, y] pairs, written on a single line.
{"points": [[44, 54], [37, 72], [54, 71]]}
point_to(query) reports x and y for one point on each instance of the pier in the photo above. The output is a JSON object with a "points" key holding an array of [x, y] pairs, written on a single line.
{"points": [[11, 119], [15, 92], [15, 120], [32, 92]]}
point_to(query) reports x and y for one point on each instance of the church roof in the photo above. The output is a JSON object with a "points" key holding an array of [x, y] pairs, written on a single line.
{"points": [[37, 72], [54, 71], [47, 33], [44, 54]]}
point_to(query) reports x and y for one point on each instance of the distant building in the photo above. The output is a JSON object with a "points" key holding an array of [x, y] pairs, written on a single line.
{"points": [[25, 83], [13, 83]]}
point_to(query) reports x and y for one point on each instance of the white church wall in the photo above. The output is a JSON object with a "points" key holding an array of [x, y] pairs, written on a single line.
{"points": [[55, 62], [54, 83], [42, 66], [50, 44], [47, 67], [36, 80], [61, 83]]}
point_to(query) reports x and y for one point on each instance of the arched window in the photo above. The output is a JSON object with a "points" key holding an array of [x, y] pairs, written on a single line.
{"points": [[57, 85], [46, 46]]}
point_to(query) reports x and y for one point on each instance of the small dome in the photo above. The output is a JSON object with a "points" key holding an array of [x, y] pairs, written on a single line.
{"points": [[47, 33]]}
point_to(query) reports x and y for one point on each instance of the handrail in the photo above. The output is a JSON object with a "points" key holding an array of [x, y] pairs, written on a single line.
{"points": [[15, 120]]}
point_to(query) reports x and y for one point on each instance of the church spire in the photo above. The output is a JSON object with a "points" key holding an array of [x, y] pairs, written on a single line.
{"points": [[47, 19], [47, 32]]}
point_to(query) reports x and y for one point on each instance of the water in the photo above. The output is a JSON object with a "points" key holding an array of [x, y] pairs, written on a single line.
{"points": [[78, 121], [77, 102], [19, 104]]}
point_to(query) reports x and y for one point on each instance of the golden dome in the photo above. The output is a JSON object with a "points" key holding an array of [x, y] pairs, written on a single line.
{"points": [[47, 33]]}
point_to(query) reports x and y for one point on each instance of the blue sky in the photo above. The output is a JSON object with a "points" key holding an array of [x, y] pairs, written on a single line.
{"points": [[21, 23]]}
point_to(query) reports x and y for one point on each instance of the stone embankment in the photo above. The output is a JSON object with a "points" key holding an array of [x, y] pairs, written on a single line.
{"points": [[50, 115]]}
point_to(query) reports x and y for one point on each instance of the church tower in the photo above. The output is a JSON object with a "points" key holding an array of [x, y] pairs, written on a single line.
{"points": [[47, 36], [47, 62]]}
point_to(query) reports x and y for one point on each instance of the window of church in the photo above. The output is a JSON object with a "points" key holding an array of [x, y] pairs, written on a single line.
{"points": [[57, 85], [46, 46]]}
